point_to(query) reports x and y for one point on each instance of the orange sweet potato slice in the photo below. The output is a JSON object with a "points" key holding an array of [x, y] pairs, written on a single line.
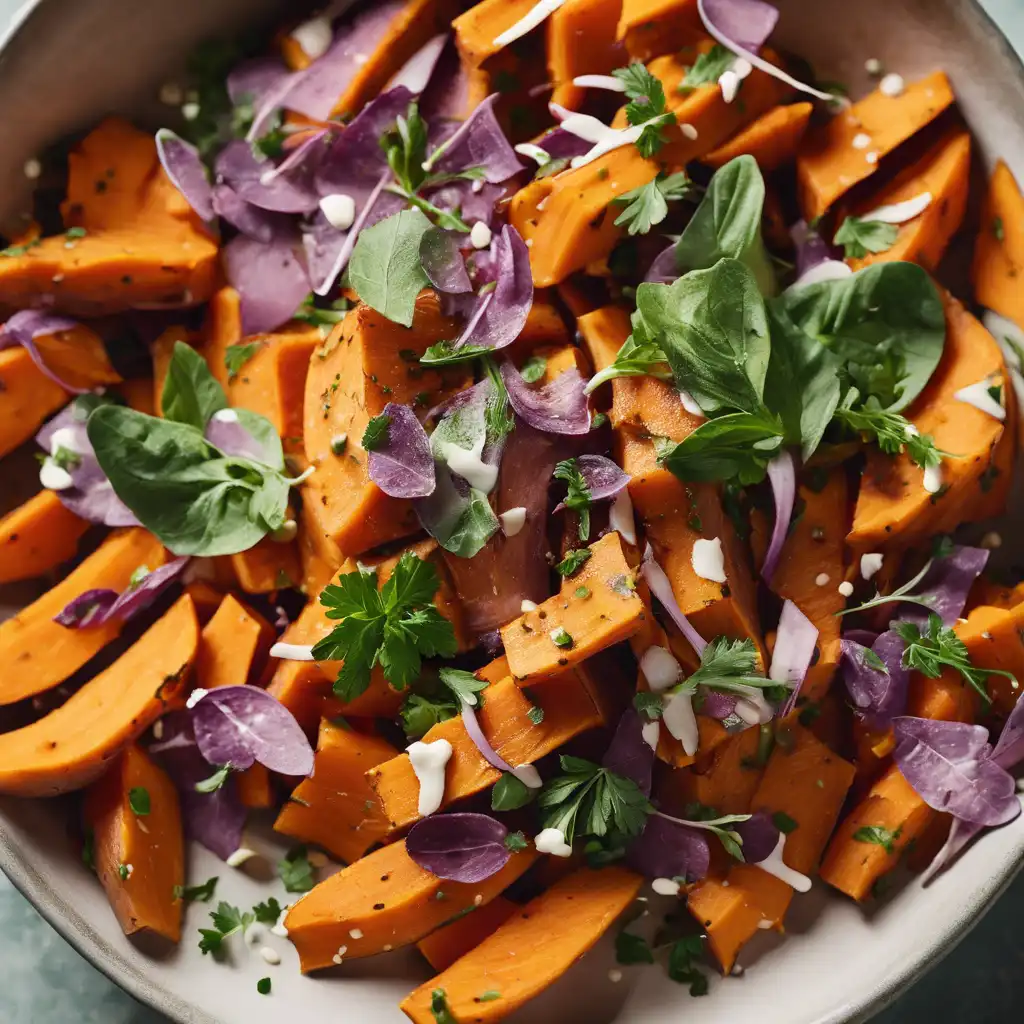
{"points": [[535, 643], [531, 951], [75, 744], [27, 398], [999, 250], [504, 717], [944, 171], [335, 807], [367, 362], [390, 900], [37, 536], [651, 28], [36, 652], [829, 164], [581, 41], [140, 859], [452, 942], [772, 140], [893, 505]]}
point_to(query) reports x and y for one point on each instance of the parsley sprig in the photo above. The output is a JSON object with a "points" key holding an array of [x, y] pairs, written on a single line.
{"points": [[730, 666], [939, 647], [891, 431], [859, 237], [395, 627], [878, 836], [588, 800], [646, 107], [640, 356], [577, 497], [708, 68], [227, 920], [647, 205]]}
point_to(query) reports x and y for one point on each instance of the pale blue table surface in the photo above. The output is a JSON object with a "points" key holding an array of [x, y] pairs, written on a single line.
{"points": [[44, 981]]}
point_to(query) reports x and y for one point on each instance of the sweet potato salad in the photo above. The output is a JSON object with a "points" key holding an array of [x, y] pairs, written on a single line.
{"points": [[536, 455]]}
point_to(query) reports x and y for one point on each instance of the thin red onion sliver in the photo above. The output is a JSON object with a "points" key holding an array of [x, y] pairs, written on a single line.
{"points": [[782, 476], [661, 588], [759, 62], [476, 734]]}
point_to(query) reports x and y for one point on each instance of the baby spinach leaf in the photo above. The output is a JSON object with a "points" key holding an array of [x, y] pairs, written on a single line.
{"points": [[885, 324], [727, 224], [713, 328], [179, 487], [191, 393], [733, 447], [385, 267]]}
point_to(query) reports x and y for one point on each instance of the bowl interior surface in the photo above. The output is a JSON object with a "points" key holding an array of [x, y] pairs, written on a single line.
{"points": [[71, 62]]}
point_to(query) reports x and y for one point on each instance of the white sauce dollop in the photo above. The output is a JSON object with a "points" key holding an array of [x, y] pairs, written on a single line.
{"points": [[292, 652], [892, 85], [665, 887], [900, 213], [978, 396], [533, 152], [933, 479], [240, 856], [226, 416], [54, 477], [620, 517], [689, 403], [480, 235], [609, 82], [314, 37], [681, 722], [470, 466], [775, 865], [729, 83], [529, 21], [429, 761], [660, 669], [870, 564], [339, 209], [528, 776], [552, 841], [708, 559], [651, 733], [513, 521]]}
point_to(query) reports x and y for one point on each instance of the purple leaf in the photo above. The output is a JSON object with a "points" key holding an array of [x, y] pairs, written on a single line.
{"points": [[226, 432], [560, 144], [184, 166], [947, 584], [240, 725], [556, 408], [98, 607], [630, 754], [604, 478], [748, 23], [1009, 749], [811, 249], [478, 143], [795, 643], [481, 742], [880, 695], [416, 73], [261, 183], [782, 476], [500, 315], [269, 278], [960, 834], [214, 819], [664, 269], [28, 324], [442, 262], [459, 847], [253, 222], [661, 588], [251, 82], [471, 200], [447, 96], [715, 704], [949, 766], [759, 835], [667, 850], [403, 466]]}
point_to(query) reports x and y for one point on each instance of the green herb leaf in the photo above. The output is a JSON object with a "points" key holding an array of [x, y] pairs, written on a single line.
{"points": [[463, 684], [89, 849], [879, 836], [489, 996], [892, 432], [588, 800], [633, 949], [236, 356], [784, 823], [535, 714], [649, 704], [562, 638], [263, 986], [859, 237], [708, 68], [573, 562], [215, 781], [682, 964], [395, 627], [138, 800], [646, 107], [638, 357], [647, 205], [227, 920], [376, 433], [420, 713], [191, 393], [737, 446], [268, 912], [713, 327], [385, 266], [516, 841], [123, 872], [444, 353], [533, 369], [578, 496], [197, 893], [509, 794], [439, 1008], [296, 872]]}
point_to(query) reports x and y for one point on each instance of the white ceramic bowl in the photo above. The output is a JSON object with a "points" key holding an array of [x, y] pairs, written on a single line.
{"points": [[68, 62]]}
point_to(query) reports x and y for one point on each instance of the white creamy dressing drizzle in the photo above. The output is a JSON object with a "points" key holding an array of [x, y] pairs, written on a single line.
{"points": [[533, 152], [429, 761], [314, 37], [900, 213], [552, 841], [665, 887], [54, 477], [708, 559], [470, 466], [513, 521], [680, 720], [660, 669], [1006, 331], [620, 517], [933, 479], [292, 652], [528, 776], [540, 12], [828, 270], [195, 697], [689, 403], [729, 81], [978, 396], [609, 82], [339, 209], [651, 733], [775, 865], [870, 564], [240, 856]]}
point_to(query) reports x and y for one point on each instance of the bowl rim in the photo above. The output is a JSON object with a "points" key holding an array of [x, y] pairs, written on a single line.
{"points": [[108, 960]]}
